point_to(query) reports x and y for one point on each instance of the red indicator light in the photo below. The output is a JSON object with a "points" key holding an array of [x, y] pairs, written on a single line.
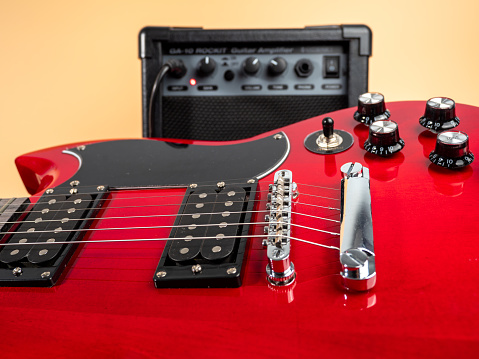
{"points": [[192, 82]]}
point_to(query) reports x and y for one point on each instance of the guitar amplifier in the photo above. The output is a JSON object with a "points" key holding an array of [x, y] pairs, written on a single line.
{"points": [[239, 83]]}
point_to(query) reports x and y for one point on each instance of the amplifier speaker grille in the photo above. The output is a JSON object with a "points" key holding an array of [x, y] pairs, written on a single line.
{"points": [[227, 118]]}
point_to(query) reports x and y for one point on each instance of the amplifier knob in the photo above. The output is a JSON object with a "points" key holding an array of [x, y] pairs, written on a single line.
{"points": [[384, 138], [440, 115], [206, 66], [251, 65], [452, 150], [371, 107], [277, 66]]}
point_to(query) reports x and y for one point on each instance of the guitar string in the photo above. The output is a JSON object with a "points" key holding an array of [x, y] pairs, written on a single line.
{"points": [[177, 186], [167, 196], [159, 215], [161, 205], [194, 225], [166, 239]]}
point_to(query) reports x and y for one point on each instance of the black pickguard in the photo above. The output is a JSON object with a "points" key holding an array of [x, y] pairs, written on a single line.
{"points": [[144, 163]]}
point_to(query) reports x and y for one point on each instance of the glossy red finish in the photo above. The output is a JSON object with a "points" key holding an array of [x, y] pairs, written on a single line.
{"points": [[425, 303]]}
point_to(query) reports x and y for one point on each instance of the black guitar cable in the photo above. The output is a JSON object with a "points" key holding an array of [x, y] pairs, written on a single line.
{"points": [[177, 69]]}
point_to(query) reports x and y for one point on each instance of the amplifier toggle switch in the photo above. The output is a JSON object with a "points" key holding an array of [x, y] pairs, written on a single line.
{"points": [[384, 138], [452, 150], [440, 115], [371, 108]]}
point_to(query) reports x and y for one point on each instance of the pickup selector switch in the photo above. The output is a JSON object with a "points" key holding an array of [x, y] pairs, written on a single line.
{"points": [[440, 115], [452, 150], [384, 138], [206, 66], [251, 65], [277, 66], [371, 108]]}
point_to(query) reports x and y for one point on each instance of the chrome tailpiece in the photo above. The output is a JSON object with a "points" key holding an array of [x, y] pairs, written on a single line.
{"points": [[280, 270], [357, 245]]}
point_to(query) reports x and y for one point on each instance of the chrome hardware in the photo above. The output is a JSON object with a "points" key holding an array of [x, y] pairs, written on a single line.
{"points": [[357, 245], [17, 271], [196, 268], [161, 274], [280, 270]]}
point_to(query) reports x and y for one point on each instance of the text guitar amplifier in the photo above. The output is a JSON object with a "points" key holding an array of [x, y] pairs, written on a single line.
{"points": [[232, 84]]}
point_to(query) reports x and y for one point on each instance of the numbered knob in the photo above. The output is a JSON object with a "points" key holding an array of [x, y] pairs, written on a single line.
{"points": [[206, 66], [452, 150], [277, 66], [384, 138], [371, 108], [251, 65], [440, 115]]}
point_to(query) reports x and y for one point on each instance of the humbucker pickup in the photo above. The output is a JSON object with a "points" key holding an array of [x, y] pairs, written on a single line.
{"points": [[33, 256], [208, 240]]}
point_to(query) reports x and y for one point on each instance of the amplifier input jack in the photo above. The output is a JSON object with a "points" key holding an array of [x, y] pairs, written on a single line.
{"points": [[303, 68]]}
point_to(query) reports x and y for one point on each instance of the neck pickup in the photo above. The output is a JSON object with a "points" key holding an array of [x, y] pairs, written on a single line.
{"points": [[33, 256]]}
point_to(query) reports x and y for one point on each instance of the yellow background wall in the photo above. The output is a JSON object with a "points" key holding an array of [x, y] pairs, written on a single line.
{"points": [[69, 70]]}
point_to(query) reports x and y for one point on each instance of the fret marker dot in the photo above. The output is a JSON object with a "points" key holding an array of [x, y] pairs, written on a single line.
{"points": [[231, 193], [23, 240], [184, 250], [216, 249], [15, 251], [228, 203], [31, 230], [203, 195], [45, 210], [223, 224], [199, 205], [189, 238], [51, 240], [59, 229], [225, 214], [196, 216], [191, 227], [71, 210], [220, 236], [43, 252], [38, 220], [52, 201], [64, 220], [77, 201]]}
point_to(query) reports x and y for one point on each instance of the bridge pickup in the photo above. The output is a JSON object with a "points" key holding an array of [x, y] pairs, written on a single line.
{"points": [[34, 257], [208, 242]]}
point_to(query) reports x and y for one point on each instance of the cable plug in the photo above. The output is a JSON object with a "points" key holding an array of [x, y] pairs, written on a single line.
{"points": [[177, 68]]}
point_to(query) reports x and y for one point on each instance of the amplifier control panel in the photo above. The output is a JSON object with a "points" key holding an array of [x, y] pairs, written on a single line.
{"points": [[258, 71]]}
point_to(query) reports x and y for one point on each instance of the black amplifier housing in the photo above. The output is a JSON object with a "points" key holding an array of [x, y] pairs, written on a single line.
{"points": [[245, 92]]}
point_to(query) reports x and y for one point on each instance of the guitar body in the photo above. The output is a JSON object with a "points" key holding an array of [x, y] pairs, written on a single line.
{"points": [[424, 304]]}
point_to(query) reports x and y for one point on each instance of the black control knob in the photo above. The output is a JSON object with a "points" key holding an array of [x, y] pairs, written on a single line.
{"points": [[206, 66], [384, 138], [277, 66], [440, 115], [371, 107], [452, 150], [251, 65]]}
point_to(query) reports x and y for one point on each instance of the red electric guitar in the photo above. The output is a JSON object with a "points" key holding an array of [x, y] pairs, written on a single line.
{"points": [[254, 248]]}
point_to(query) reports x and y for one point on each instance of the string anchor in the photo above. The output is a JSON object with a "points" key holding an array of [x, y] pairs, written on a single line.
{"points": [[357, 245]]}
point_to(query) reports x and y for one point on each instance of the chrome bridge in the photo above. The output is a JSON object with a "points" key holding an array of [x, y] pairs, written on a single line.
{"points": [[280, 270]]}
